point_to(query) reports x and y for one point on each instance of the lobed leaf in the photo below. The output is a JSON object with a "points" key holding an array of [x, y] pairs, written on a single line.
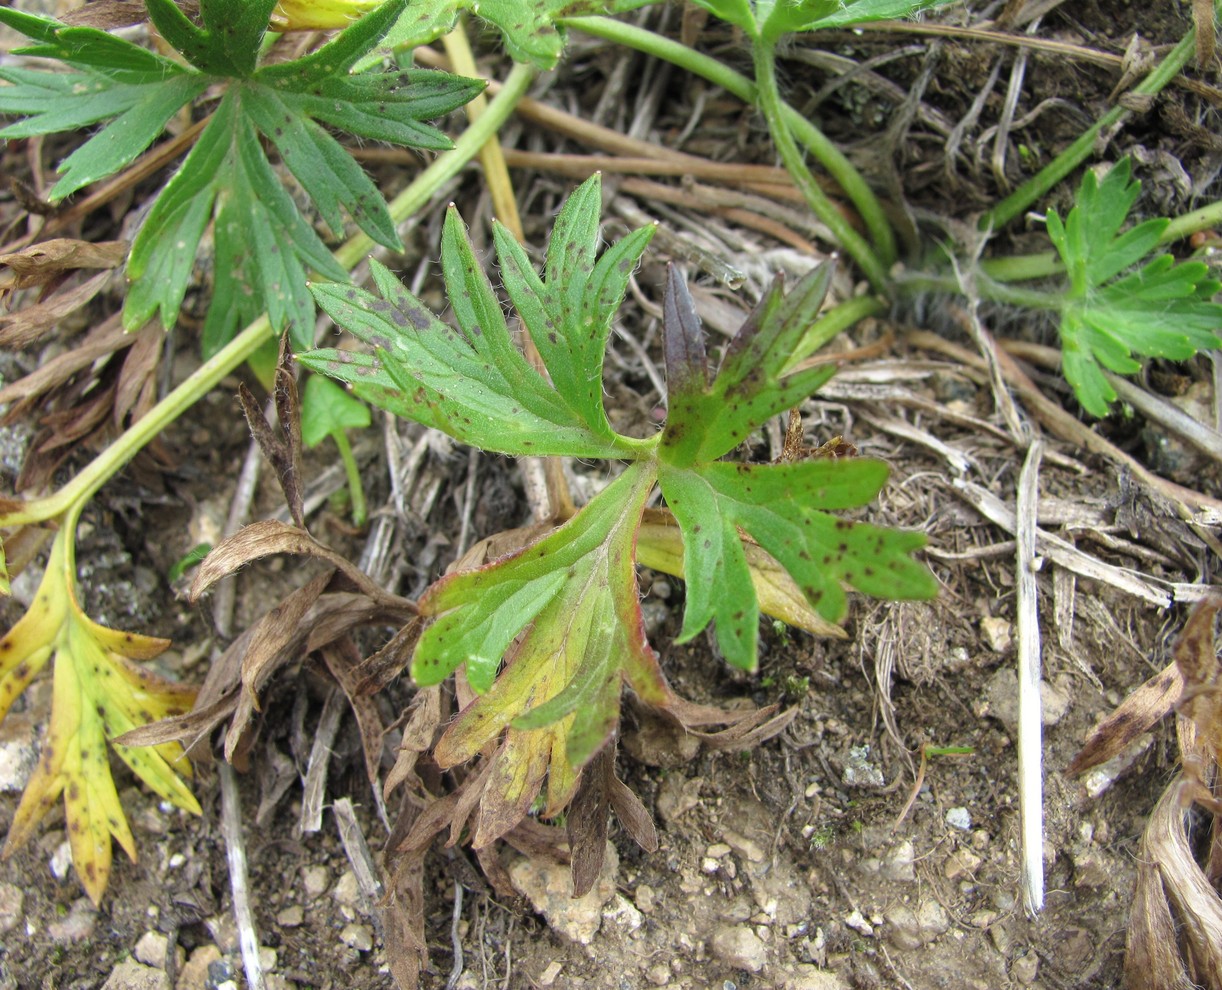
{"points": [[785, 509], [769, 20], [473, 383], [98, 693], [707, 420], [1162, 309]]}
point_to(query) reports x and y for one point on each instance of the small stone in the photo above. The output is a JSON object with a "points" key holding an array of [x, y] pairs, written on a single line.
{"points": [[860, 772], [1001, 700], [194, 972], [658, 974], [709, 865], [998, 633], [274, 981], [959, 818], [550, 973], [131, 975], [622, 914], [983, 918], [899, 865], [290, 917], [314, 881], [1092, 869], [807, 977], [347, 891], [644, 898], [677, 796], [739, 948], [267, 958], [18, 751], [749, 849], [224, 931], [151, 949], [1025, 968], [960, 863], [911, 928], [12, 901], [856, 921], [61, 861], [718, 850], [549, 888], [359, 937], [77, 925]]}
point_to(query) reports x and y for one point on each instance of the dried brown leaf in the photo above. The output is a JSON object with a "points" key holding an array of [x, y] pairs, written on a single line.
{"points": [[40, 263], [107, 14], [423, 723], [1136, 714], [270, 537], [633, 815], [1194, 904], [1152, 958], [104, 339], [136, 389], [382, 667], [1197, 661], [276, 632], [587, 821], [342, 660], [31, 324]]}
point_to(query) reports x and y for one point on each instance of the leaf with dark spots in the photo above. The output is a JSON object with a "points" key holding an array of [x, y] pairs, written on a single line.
{"points": [[687, 367]]}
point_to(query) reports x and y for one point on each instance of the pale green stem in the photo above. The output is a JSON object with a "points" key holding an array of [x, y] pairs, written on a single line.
{"points": [[832, 323], [1205, 218], [1035, 188], [356, 490], [825, 152], [770, 105], [107, 464]]}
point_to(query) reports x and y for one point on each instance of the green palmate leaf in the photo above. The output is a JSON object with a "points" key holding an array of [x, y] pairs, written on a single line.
{"points": [[706, 420], [326, 408], [473, 382], [121, 82], [264, 246], [1162, 309], [785, 508], [574, 592]]}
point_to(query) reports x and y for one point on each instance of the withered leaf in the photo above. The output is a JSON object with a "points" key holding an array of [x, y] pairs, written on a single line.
{"points": [[39, 263], [104, 339], [1136, 714], [31, 324], [136, 389], [423, 721], [342, 659], [587, 821]]}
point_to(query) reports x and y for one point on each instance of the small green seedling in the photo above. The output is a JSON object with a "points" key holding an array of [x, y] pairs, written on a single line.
{"points": [[188, 560], [327, 410], [548, 635], [1162, 309]]}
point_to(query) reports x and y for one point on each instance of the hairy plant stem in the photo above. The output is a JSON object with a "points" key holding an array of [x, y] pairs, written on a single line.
{"points": [[68, 501], [356, 491], [985, 287], [1039, 184], [826, 153], [770, 105]]}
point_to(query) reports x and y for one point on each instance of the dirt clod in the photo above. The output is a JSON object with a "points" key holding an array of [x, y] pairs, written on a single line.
{"points": [[739, 948]]}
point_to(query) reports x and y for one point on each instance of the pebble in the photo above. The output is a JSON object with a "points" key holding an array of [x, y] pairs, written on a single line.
{"points": [[131, 975], [194, 972], [1001, 700], [807, 977], [860, 772], [740, 948], [960, 863], [749, 849], [550, 973], [1092, 869], [622, 914], [658, 974], [857, 921], [998, 633], [677, 796], [549, 888], [359, 937], [899, 864], [12, 902], [290, 917], [151, 949], [959, 818], [77, 925], [347, 891], [910, 928], [645, 898], [18, 751], [61, 861], [1025, 968], [314, 881]]}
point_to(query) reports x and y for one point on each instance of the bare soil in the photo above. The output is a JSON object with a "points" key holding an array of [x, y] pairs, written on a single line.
{"points": [[790, 864]]}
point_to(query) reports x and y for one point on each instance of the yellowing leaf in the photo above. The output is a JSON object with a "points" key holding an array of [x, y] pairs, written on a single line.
{"points": [[98, 693], [318, 15]]}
